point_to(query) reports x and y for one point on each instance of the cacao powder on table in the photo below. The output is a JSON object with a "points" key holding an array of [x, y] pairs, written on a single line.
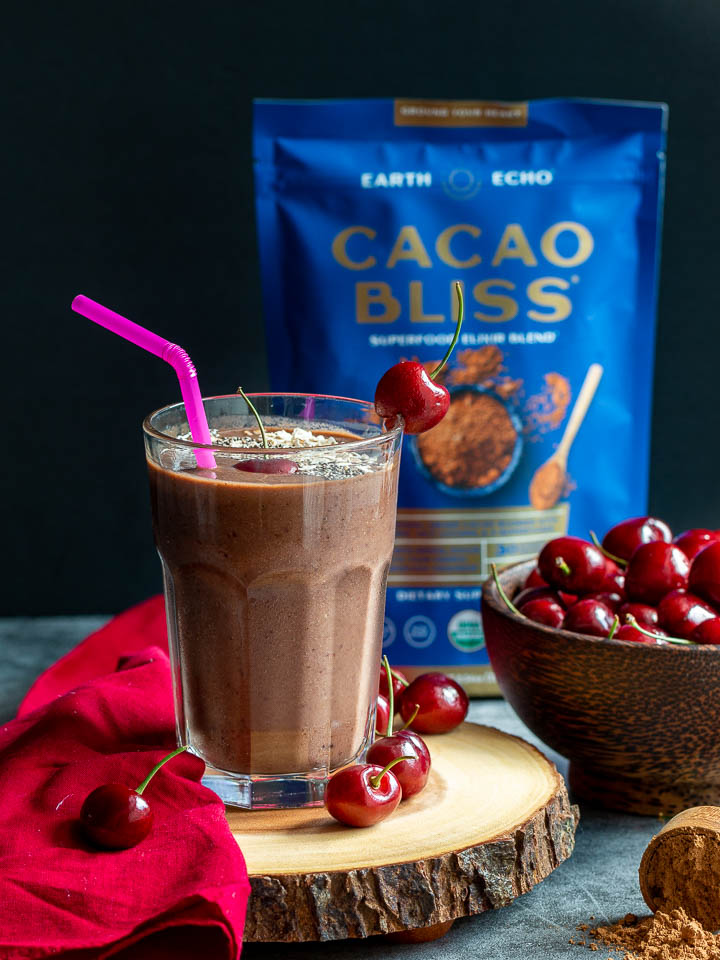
{"points": [[662, 936]]}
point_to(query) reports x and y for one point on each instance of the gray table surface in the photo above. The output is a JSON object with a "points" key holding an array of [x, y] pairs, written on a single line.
{"points": [[599, 880]]}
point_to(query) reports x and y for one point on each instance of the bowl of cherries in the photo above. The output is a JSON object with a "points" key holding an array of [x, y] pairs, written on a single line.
{"points": [[609, 651]]}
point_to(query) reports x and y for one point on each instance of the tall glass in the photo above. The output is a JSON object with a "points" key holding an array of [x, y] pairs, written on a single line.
{"points": [[275, 590]]}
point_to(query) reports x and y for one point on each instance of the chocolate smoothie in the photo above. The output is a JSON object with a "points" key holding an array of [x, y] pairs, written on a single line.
{"points": [[276, 596]]}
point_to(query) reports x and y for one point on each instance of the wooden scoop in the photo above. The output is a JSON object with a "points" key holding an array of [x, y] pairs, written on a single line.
{"points": [[548, 481], [681, 866]]}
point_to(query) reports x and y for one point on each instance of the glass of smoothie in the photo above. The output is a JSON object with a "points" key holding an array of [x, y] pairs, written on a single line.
{"points": [[274, 574]]}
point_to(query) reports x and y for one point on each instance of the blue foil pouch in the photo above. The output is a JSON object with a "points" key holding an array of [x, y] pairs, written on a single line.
{"points": [[548, 213]]}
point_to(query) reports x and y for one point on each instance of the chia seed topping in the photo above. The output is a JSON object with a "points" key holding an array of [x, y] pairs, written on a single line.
{"points": [[337, 465]]}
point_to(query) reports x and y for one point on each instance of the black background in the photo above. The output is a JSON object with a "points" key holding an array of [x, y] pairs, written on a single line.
{"points": [[127, 176]]}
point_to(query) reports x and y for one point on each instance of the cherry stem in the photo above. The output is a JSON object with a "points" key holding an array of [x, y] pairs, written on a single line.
{"points": [[606, 553], [562, 566], [634, 623], [403, 681], [439, 367], [414, 714], [375, 781], [613, 628], [391, 696], [157, 766], [508, 603], [255, 414]]}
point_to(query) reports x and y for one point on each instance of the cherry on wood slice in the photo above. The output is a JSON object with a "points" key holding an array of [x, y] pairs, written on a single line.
{"points": [[493, 820]]}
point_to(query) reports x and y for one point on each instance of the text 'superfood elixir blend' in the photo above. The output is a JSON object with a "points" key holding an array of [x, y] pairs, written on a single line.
{"points": [[548, 213]]}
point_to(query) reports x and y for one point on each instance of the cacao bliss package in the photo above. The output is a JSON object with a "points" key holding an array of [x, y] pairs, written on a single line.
{"points": [[548, 213]]}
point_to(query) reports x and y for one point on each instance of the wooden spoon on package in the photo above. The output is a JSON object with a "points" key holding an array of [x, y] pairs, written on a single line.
{"points": [[548, 481]]}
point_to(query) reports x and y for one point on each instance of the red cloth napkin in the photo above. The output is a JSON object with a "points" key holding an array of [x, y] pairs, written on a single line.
{"points": [[182, 892]]}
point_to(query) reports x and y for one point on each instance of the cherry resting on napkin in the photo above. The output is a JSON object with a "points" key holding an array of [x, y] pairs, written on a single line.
{"points": [[407, 390], [115, 816]]}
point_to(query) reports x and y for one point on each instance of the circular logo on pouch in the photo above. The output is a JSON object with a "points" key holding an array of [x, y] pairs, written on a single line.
{"points": [[389, 632], [465, 631], [419, 632], [461, 184]]}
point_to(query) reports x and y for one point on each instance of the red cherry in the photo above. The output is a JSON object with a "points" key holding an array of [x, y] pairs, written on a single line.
{"points": [[624, 538], [412, 774], [691, 542], [573, 565], [614, 578], [115, 817], [535, 593], [645, 615], [442, 703], [679, 612], [399, 681], [407, 390], [655, 569], [267, 465], [382, 713], [363, 794], [612, 600], [705, 574], [628, 632], [567, 599], [534, 579], [589, 617], [543, 610], [707, 632]]}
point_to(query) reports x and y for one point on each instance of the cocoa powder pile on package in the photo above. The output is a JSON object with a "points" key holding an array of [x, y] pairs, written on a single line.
{"points": [[663, 936], [453, 459]]}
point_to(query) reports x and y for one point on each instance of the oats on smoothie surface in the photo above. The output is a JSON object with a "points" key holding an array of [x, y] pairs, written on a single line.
{"points": [[334, 466], [275, 438]]}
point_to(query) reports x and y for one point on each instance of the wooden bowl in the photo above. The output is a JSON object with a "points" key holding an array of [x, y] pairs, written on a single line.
{"points": [[638, 722]]}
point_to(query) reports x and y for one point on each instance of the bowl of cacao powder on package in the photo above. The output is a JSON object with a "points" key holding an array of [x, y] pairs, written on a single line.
{"points": [[475, 449], [637, 721]]}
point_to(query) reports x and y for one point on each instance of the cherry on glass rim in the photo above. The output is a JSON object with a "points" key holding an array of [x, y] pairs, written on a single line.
{"points": [[409, 392], [115, 816]]}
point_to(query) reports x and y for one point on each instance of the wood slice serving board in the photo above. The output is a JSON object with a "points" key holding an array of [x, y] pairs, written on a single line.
{"points": [[493, 820]]}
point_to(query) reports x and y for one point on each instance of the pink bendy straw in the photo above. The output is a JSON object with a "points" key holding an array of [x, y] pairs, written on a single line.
{"points": [[170, 352]]}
